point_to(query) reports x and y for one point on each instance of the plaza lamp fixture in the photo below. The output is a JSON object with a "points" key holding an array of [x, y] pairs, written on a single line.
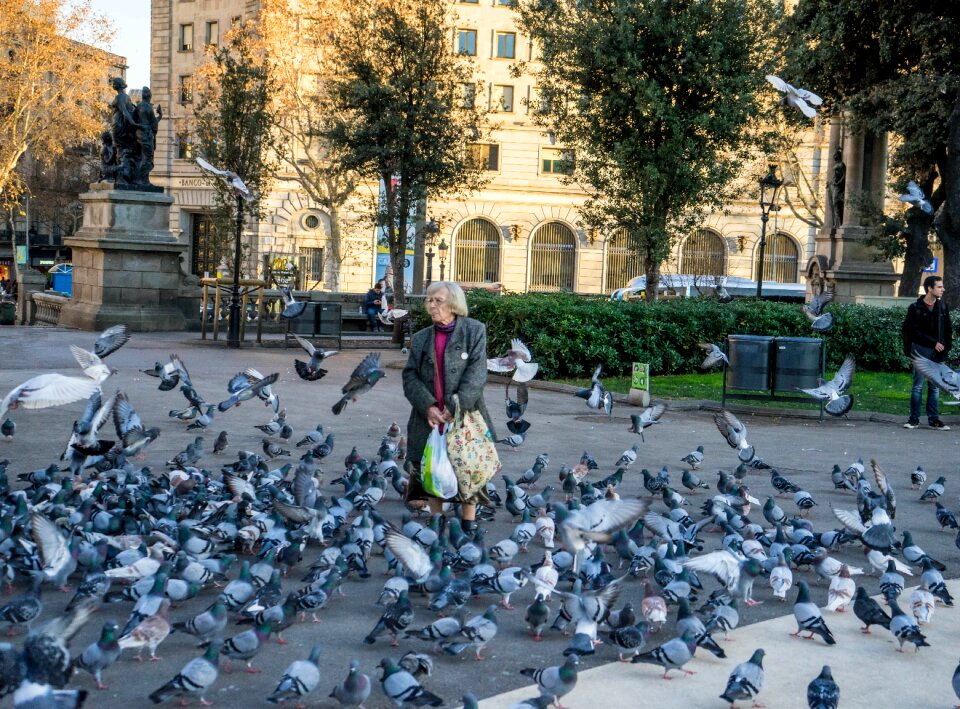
{"points": [[769, 189]]}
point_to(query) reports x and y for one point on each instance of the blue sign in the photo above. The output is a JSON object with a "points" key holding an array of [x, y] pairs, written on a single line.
{"points": [[932, 268]]}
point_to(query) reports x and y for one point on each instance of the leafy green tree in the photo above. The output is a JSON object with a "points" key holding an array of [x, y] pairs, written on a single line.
{"points": [[658, 103], [891, 67], [233, 127], [404, 110]]}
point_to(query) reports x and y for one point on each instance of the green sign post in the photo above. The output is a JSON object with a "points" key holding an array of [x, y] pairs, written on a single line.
{"points": [[21, 255], [640, 377]]}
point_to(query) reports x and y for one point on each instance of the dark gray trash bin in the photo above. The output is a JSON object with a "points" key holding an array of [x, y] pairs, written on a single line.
{"points": [[798, 361], [306, 324], [749, 357]]}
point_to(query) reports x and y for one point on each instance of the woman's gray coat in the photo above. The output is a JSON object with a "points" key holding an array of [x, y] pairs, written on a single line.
{"points": [[465, 376]]}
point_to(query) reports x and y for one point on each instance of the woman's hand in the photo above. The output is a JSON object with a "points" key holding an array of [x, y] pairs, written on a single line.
{"points": [[436, 417]]}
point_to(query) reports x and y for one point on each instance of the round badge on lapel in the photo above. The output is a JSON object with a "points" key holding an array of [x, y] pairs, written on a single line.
{"points": [[463, 355]]}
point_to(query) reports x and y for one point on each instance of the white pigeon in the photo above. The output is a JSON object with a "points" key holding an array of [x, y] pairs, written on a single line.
{"points": [[800, 99], [46, 390], [231, 178], [922, 604], [91, 364], [546, 577], [916, 198], [781, 581], [517, 360], [546, 529], [841, 591], [878, 560]]}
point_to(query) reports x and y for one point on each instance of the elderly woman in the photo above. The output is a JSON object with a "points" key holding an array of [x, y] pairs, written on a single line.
{"points": [[447, 358]]}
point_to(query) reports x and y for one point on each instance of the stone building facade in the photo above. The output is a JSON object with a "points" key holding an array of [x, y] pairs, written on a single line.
{"points": [[521, 231]]}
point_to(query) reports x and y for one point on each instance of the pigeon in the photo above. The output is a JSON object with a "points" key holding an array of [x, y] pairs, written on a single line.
{"points": [[556, 681], [7, 429], [292, 308], [233, 180], [402, 688], [133, 437], [823, 692], [517, 360], [594, 395], [800, 99], [299, 679], [746, 680], [355, 689], [394, 620], [869, 611], [842, 588], [916, 198], [940, 374], [23, 609], [91, 365], [915, 555], [207, 624], [245, 646], [735, 433], [694, 458], [363, 379], [478, 631], [934, 490], [196, 677], [672, 655], [411, 555], [715, 356], [647, 418], [45, 651], [46, 390], [808, 616], [57, 562], [220, 445], [945, 517], [243, 387], [819, 320], [833, 392], [737, 573], [781, 579], [100, 655], [598, 523], [111, 340], [151, 631], [311, 371], [922, 604], [904, 629]]}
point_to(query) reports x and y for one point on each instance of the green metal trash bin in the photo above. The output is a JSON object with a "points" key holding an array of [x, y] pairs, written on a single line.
{"points": [[799, 363], [749, 357], [8, 312]]}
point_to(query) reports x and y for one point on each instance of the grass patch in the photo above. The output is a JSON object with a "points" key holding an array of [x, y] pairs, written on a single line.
{"points": [[880, 392]]}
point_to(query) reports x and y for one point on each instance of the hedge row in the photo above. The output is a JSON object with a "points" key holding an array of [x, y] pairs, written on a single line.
{"points": [[569, 334]]}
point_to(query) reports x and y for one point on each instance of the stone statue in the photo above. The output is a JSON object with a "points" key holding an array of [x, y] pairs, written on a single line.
{"points": [[839, 186], [147, 124], [108, 157]]}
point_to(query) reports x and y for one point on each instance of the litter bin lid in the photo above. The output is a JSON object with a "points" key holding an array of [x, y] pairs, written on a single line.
{"points": [[755, 338], [799, 339]]}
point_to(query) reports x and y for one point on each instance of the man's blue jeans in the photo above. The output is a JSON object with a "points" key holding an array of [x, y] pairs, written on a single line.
{"points": [[916, 394]]}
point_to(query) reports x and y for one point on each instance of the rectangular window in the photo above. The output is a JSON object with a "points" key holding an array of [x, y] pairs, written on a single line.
{"points": [[556, 161], [186, 38], [236, 20], [506, 45], [185, 89], [213, 33], [204, 255], [469, 94], [487, 156], [184, 147], [502, 99], [311, 264], [467, 42]]}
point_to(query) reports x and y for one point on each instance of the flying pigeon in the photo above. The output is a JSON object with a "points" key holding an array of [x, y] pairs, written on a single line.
{"points": [[517, 360], [916, 198], [231, 178], [292, 308], [646, 418], [800, 99], [715, 356], [941, 375], [46, 390], [833, 392], [736, 434], [363, 379], [133, 437], [819, 320], [243, 387], [111, 340], [311, 371]]}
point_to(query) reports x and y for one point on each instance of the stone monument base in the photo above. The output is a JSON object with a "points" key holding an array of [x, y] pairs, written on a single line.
{"points": [[125, 263]]}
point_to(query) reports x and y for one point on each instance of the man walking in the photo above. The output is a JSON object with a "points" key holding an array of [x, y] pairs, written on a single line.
{"points": [[927, 332]]}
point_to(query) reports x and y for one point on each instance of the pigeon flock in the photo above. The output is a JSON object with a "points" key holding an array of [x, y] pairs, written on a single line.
{"points": [[242, 555]]}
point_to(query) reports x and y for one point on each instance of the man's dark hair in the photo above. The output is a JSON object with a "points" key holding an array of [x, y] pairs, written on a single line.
{"points": [[929, 282]]}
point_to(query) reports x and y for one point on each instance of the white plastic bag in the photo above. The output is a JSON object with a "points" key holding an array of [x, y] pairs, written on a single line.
{"points": [[437, 473]]}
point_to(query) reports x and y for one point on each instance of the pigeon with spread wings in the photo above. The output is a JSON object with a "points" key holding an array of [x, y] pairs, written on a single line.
{"points": [[311, 371], [916, 198], [833, 392], [231, 178], [800, 99], [819, 320], [941, 375], [363, 379], [736, 434], [517, 360]]}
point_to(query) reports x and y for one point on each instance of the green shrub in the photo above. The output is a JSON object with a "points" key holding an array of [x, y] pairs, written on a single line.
{"points": [[570, 334]]}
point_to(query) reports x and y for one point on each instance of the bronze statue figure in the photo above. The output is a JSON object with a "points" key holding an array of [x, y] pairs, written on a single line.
{"points": [[126, 153], [108, 157], [839, 186], [147, 124]]}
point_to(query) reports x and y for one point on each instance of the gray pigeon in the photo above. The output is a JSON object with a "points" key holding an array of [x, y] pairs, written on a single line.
{"points": [[823, 692], [362, 380], [808, 616], [403, 689], [196, 677], [819, 320], [714, 356], [735, 433], [904, 628], [478, 631], [833, 393], [311, 371], [207, 624], [355, 689], [746, 680], [647, 418], [100, 655], [916, 198], [244, 646], [299, 679], [111, 340], [672, 655], [556, 681]]}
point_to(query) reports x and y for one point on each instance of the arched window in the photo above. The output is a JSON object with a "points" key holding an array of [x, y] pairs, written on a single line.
{"points": [[476, 252], [623, 262], [553, 254], [704, 253], [781, 259]]}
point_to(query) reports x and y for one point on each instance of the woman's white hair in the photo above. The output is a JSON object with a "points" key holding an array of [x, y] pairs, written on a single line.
{"points": [[455, 296]]}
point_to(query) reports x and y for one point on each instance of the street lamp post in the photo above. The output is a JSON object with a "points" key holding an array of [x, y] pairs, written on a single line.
{"points": [[430, 228], [442, 248], [769, 187], [233, 333]]}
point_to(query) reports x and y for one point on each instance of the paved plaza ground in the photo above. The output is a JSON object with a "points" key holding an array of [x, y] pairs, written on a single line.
{"points": [[868, 668]]}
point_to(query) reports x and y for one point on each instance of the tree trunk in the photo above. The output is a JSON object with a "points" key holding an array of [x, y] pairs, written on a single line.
{"points": [[918, 255], [396, 244], [336, 248], [651, 268], [947, 221]]}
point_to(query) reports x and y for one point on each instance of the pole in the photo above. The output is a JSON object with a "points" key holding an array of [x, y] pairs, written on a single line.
{"points": [[233, 334], [764, 217], [429, 256]]}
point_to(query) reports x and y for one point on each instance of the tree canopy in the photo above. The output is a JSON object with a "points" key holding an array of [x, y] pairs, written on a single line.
{"points": [[658, 103]]}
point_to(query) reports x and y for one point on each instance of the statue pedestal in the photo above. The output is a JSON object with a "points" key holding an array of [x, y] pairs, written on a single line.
{"points": [[854, 271], [125, 263]]}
